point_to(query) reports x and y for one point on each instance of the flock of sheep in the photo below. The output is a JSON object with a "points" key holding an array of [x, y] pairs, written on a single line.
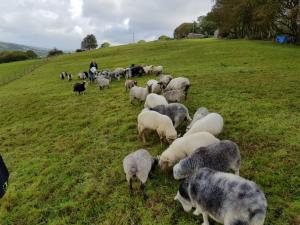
{"points": [[199, 159]]}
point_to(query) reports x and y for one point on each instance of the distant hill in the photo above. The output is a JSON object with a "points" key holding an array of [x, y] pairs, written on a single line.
{"points": [[16, 47]]}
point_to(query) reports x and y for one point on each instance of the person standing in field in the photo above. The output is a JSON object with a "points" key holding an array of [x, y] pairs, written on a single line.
{"points": [[93, 69]]}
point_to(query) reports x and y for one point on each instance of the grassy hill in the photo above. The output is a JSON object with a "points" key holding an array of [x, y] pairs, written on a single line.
{"points": [[17, 47], [65, 152]]}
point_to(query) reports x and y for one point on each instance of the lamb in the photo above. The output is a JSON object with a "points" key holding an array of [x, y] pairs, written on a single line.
{"points": [[157, 70], [185, 146], [212, 123], [138, 165], [175, 96], [150, 120], [80, 88], [179, 83], [102, 82], [155, 86], [165, 80], [176, 111], [226, 198], [138, 93], [199, 114], [154, 100], [129, 84], [221, 156]]}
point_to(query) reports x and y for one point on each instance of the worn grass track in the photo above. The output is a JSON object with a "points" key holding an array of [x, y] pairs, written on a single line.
{"points": [[65, 152]]}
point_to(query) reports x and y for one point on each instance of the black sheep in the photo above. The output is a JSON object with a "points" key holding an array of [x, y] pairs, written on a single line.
{"points": [[78, 87], [137, 71]]}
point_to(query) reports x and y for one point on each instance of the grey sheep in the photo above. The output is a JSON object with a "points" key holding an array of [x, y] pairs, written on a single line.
{"points": [[174, 96], [199, 114], [102, 82], [175, 111], [138, 165], [225, 197], [221, 156]]}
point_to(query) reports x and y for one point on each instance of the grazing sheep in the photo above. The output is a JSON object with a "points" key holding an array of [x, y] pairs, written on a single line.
{"points": [[153, 100], [155, 86], [165, 80], [80, 88], [62, 75], [226, 198], [82, 76], [102, 82], [150, 120], [135, 71], [174, 96], [179, 83], [157, 70], [176, 111], [185, 146], [221, 156], [120, 71], [138, 93], [199, 114], [69, 77], [129, 84], [138, 165], [212, 123], [148, 69]]}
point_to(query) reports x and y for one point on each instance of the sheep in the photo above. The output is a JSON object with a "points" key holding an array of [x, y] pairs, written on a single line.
{"points": [[212, 123], [82, 76], [174, 96], [120, 71], [199, 114], [129, 84], [69, 77], [135, 71], [226, 198], [165, 80], [176, 111], [157, 70], [80, 88], [138, 93], [138, 164], [102, 82], [153, 100], [150, 120], [148, 69], [179, 83], [221, 156], [62, 75], [183, 147], [155, 86]]}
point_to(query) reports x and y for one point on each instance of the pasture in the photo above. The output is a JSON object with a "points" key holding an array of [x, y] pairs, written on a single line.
{"points": [[65, 152]]}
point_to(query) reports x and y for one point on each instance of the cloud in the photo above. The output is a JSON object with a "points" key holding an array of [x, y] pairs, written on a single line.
{"points": [[63, 23]]}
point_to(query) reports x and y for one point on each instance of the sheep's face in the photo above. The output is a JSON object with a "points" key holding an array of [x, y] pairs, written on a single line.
{"points": [[171, 136], [164, 163]]}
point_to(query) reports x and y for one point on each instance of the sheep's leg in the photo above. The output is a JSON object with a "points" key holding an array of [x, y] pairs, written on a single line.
{"points": [[130, 187], [205, 219], [237, 172], [142, 187]]}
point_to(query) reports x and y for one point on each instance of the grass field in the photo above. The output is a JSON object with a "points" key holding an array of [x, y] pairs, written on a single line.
{"points": [[65, 152]]}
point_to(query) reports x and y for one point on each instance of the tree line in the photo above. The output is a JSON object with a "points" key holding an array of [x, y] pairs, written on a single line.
{"points": [[11, 56], [256, 19]]}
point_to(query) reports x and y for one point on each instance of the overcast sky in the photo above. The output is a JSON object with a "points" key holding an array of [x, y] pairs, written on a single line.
{"points": [[64, 23]]}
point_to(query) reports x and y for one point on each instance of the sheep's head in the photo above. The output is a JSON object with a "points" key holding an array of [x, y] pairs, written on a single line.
{"points": [[165, 162], [171, 136]]}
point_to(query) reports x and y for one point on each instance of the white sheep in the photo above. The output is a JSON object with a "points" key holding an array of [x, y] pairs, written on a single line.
{"points": [[174, 96], [185, 146], [82, 76], [199, 114], [151, 120], [154, 86], [138, 164], [179, 83], [148, 69], [154, 100], [164, 80], [157, 70], [212, 123], [138, 93]]}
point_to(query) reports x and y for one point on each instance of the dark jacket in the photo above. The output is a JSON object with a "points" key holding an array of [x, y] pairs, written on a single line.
{"points": [[93, 65]]}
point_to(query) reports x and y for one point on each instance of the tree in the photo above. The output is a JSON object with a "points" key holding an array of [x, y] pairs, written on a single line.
{"points": [[105, 45], [31, 54], [89, 42], [55, 52], [183, 30], [207, 26]]}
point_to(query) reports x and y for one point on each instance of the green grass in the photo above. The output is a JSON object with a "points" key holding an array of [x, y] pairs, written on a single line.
{"points": [[15, 70], [65, 152]]}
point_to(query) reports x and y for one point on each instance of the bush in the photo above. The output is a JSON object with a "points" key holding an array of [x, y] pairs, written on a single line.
{"points": [[141, 42], [105, 45], [164, 38], [183, 30], [12, 56], [55, 52], [80, 50]]}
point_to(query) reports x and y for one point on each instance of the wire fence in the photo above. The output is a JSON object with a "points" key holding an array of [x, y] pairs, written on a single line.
{"points": [[23, 72]]}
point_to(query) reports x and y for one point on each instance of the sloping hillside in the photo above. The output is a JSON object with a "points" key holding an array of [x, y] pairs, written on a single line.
{"points": [[65, 152], [17, 47]]}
